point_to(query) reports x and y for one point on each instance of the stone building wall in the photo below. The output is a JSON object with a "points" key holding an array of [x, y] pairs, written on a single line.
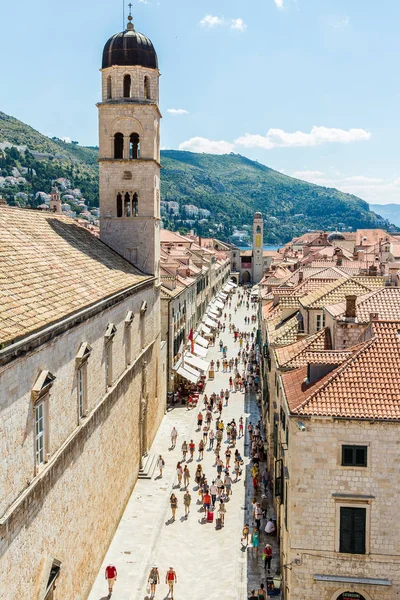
{"points": [[318, 485], [69, 511]]}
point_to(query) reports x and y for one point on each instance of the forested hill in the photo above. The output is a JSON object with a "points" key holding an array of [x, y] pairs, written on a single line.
{"points": [[230, 186], [233, 187]]}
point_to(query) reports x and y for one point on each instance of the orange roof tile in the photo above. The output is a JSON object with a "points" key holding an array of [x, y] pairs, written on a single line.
{"points": [[292, 356]]}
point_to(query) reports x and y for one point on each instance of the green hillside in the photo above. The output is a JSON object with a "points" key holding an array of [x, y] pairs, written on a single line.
{"points": [[231, 187]]}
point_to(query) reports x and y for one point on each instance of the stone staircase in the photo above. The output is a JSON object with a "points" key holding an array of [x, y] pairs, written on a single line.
{"points": [[149, 465]]}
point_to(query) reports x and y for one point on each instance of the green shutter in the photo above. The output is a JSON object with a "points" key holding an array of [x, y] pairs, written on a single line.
{"points": [[352, 530]]}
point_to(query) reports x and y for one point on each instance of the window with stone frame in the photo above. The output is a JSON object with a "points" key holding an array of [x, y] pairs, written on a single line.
{"points": [[320, 321], [40, 433], [354, 456], [127, 86], [352, 530]]}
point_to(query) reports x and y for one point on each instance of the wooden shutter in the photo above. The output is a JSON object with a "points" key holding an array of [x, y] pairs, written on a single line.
{"points": [[352, 530]]}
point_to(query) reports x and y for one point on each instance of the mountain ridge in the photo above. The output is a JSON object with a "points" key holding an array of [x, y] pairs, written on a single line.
{"points": [[231, 187]]}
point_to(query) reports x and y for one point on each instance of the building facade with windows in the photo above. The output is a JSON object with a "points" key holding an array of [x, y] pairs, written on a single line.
{"points": [[82, 375]]}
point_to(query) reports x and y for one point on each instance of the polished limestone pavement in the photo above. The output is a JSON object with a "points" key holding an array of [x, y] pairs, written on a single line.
{"points": [[209, 563]]}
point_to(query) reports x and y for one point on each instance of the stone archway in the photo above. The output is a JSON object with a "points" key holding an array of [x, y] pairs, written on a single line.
{"points": [[246, 277], [346, 594], [234, 278]]}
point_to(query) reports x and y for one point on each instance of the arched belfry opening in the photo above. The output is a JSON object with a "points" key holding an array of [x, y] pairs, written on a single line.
{"points": [[127, 86], [109, 87], [119, 205], [135, 205], [118, 145], [147, 91], [134, 146]]}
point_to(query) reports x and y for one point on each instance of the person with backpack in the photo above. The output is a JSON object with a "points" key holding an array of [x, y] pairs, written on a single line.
{"points": [[154, 578]]}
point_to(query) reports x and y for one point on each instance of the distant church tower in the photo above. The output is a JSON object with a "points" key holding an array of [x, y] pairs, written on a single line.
{"points": [[258, 257], [129, 149], [55, 201]]}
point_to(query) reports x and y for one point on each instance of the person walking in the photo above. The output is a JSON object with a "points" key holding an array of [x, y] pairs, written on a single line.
{"points": [[154, 579], [258, 513], [228, 484], [174, 505], [187, 498], [186, 476], [192, 448], [226, 396], [264, 505], [213, 492], [171, 579], [184, 450], [201, 450], [111, 576], [255, 542], [222, 511], [211, 438], [245, 535], [261, 594], [160, 464], [174, 435], [267, 556], [179, 472], [199, 421]]}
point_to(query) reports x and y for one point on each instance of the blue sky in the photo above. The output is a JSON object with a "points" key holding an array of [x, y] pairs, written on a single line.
{"points": [[307, 87]]}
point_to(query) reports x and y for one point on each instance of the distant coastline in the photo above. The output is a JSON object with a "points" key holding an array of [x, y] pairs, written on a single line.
{"points": [[265, 247]]}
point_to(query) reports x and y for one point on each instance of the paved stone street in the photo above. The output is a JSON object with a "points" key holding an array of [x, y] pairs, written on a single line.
{"points": [[209, 563]]}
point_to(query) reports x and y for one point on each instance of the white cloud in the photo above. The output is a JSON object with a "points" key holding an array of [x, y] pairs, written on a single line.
{"points": [[372, 189], [279, 4], [278, 138], [200, 144], [177, 111], [67, 140], [211, 21], [238, 24]]}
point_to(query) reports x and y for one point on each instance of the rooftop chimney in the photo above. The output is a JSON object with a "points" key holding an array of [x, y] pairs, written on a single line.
{"points": [[374, 316], [350, 307]]}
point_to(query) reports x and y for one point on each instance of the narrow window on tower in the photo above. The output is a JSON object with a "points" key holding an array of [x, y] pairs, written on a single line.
{"points": [[127, 205], [147, 88], [118, 145], [134, 146], [135, 205], [127, 86], [119, 205], [109, 88]]}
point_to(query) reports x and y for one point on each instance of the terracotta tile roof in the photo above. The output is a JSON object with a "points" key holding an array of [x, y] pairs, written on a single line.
{"points": [[337, 291], [332, 357], [365, 386], [385, 303], [292, 356], [50, 267], [283, 333], [326, 272]]}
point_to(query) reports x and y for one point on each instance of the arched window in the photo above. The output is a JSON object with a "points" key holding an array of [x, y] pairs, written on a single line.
{"points": [[127, 205], [147, 93], [119, 205], [135, 205], [258, 229], [118, 145], [127, 86], [134, 146], [109, 88]]}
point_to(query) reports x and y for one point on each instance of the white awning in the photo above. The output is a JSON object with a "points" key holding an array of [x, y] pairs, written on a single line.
{"points": [[223, 295], [196, 362], [213, 313], [201, 341], [210, 323], [199, 350], [219, 304], [227, 287], [232, 283], [188, 375], [206, 329]]}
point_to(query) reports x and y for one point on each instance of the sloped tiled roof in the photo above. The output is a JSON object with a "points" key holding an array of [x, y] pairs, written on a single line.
{"points": [[50, 268], [337, 291], [385, 303], [281, 334], [292, 356], [365, 386]]}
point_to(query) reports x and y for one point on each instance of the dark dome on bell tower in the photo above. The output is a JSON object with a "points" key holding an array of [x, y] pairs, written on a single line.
{"points": [[129, 49]]}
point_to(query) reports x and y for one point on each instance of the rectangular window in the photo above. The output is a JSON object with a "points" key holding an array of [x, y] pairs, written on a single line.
{"points": [[320, 321], [108, 364], [354, 456], [39, 434], [81, 386], [352, 530]]}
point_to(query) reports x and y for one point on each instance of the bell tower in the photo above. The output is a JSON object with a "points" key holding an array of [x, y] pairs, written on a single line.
{"points": [[258, 256], [129, 149]]}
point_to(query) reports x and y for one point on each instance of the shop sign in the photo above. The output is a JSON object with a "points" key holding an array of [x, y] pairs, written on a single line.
{"points": [[350, 596]]}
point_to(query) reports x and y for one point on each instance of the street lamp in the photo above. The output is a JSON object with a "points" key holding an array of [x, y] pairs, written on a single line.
{"points": [[277, 579]]}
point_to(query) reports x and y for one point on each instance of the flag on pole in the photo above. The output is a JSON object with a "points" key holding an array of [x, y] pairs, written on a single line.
{"points": [[191, 338]]}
